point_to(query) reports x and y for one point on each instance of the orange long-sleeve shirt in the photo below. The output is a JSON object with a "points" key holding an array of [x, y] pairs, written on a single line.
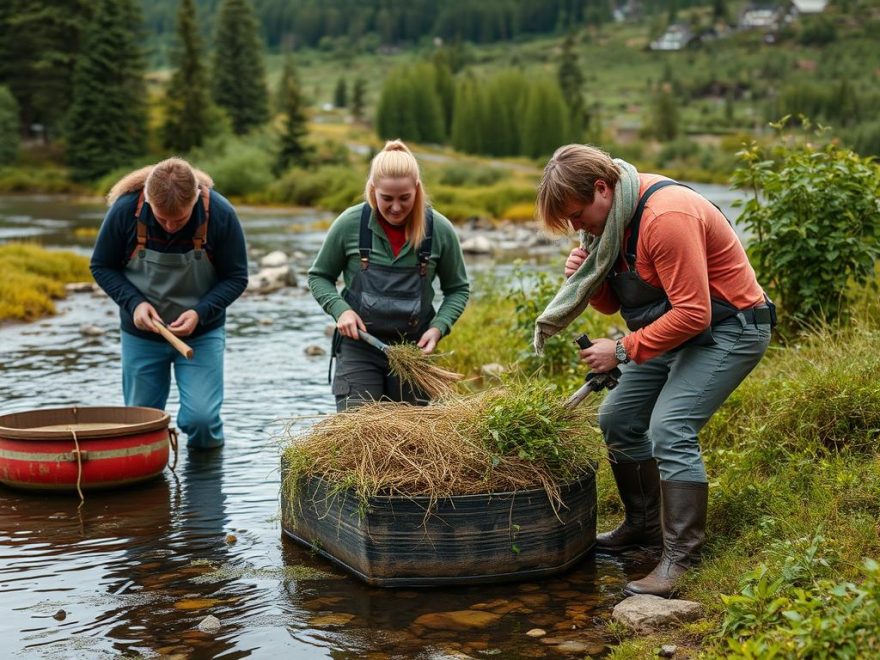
{"points": [[687, 248]]}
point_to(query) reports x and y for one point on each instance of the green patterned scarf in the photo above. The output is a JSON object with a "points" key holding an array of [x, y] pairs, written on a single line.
{"points": [[575, 293]]}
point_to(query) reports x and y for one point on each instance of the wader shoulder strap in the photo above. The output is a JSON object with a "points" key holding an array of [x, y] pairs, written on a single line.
{"points": [[141, 227], [631, 244], [201, 233], [365, 239], [640, 209], [427, 242]]}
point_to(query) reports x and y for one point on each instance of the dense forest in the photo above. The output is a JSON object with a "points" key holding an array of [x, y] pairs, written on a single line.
{"points": [[103, 84]]}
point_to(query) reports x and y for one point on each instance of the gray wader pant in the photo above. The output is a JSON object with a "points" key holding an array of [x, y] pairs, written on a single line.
{"points": [[660, 406], [363, 375]]}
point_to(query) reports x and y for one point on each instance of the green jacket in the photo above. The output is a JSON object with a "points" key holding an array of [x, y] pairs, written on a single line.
{"points": [[339, 254]]}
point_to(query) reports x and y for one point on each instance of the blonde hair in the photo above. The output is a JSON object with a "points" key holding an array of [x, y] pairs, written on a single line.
{"points": [[571, 175], [170, 186], [396, 161]]}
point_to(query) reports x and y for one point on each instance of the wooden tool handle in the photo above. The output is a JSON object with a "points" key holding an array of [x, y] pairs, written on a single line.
{"points": [[184, 349]]}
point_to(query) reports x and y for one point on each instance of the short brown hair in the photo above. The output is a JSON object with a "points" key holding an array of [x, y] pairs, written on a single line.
{"points": [[396, 161], [571, 174], [171, 186]]}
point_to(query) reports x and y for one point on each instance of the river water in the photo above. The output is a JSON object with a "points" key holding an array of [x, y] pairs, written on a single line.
{"points": [[133, 572]]}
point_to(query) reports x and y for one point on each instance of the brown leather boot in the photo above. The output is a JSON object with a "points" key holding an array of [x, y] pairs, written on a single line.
{"points": [[639, 488], [684, 532]]}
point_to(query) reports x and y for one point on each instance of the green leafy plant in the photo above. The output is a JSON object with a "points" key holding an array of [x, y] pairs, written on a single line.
{"points": [[813, 220], [795, 613]]}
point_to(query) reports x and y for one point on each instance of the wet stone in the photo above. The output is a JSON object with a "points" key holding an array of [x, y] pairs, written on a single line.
{"points": [[534, 599], [529, 587], [88, 330], [210, 624], [536, 632], [314, 351], [571, 646], [457, 620], [338, 619], [646, 614], [60, 615]]}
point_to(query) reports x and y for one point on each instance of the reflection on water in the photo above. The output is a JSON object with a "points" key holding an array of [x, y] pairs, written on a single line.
{"points": [[136, 571]]}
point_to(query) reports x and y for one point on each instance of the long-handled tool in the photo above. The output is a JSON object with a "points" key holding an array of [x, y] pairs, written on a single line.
{"points": [[372, 341], [594, 381], [183, 348]]}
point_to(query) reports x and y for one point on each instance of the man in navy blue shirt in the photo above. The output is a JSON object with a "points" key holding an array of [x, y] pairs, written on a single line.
{"points": [[171, 252]]}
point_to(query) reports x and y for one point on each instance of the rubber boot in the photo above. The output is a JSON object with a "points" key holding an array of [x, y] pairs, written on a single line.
{"points": [[639, 488], [683, 506]]}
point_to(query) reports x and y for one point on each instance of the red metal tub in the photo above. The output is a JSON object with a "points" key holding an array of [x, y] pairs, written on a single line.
{"points": [[95, 447]]}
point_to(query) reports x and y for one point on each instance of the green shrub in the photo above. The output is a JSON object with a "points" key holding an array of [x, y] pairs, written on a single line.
{"points": [[813, 220], [795, 614]]}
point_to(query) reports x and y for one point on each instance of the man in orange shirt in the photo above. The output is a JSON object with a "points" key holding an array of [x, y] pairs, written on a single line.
{"points": [[669, 261]]}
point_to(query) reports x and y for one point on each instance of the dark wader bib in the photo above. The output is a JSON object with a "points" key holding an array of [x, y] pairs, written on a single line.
{"points": [[393, 302], [642, 303], [172, 283]]}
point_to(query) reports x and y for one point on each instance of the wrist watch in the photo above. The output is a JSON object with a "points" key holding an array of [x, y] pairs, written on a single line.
{"points": [[620, 352]]}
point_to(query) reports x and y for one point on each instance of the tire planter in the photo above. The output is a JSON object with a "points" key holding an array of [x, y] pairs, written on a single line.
{"points": [[99, 447], [467, 539]]}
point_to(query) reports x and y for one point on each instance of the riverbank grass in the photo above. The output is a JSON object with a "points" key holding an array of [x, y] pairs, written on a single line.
{"points": [[33, 278], [794, 464]]}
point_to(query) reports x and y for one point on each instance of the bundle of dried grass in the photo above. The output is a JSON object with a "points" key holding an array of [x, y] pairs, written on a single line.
{"points": [[417, 369], [501, 440]]}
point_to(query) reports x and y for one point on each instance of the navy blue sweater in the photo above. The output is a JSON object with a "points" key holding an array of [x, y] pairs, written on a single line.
{"points": [[224, 246]]}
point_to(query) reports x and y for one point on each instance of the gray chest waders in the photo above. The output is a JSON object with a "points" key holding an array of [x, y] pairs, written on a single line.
{"points": [[172, 283], [392, 301], [642, 303]]}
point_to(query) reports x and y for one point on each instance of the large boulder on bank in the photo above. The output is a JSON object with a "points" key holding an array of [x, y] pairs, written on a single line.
{"points": [[271, 279], [646, 614]]}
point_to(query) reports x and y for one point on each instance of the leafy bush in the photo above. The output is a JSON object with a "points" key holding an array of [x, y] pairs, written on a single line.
{"points": [[813, 220], [797, 614]]}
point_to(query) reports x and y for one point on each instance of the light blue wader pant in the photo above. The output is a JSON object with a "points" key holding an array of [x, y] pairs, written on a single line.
{"points": [[660, 406], [174, 283], [146, 381]]}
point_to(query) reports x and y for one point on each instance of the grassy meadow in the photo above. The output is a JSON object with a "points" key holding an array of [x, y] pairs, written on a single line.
{"points": [[794, 467]]}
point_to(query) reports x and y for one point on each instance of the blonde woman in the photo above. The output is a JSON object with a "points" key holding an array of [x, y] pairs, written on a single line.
{"points": [[389, 250], [171, 251]]}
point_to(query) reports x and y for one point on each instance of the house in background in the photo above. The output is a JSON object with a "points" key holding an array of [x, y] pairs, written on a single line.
{"points": [[676, 37]]}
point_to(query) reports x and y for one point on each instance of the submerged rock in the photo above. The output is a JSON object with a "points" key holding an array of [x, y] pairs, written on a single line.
{"points": [[458, 620], [647, 614], [60, 615], [314, 351], [210, 624], [89, 330], [536, 632]]}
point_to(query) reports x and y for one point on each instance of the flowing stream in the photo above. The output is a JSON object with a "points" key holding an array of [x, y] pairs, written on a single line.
{"points": [[134, 572]]}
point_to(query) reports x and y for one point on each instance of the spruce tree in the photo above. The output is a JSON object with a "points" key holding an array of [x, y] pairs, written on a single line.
{"points": [[187, 100], [358, 98], [467, 118], [10, 128], [39, 42], [340, 94], [571, 82], [545, 120], [665, 114], [108, 120], [238, 72], [294, 150]]}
